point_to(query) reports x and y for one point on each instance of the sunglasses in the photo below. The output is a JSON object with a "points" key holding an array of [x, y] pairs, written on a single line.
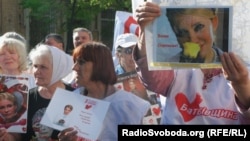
{"points": [[128, 50]]}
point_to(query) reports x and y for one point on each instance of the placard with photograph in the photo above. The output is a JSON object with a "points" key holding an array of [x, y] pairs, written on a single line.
{"points": [[130, 82], [189, 37], [69, 109], [232, 33], [13, 103]]}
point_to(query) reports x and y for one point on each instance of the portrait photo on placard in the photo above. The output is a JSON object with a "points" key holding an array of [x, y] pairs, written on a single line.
{"points": [[191, 37]]}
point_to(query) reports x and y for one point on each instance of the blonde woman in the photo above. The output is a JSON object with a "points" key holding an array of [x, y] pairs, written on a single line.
{"points": [[8, 108], [8, 113], [195, 27], [13, 57]]}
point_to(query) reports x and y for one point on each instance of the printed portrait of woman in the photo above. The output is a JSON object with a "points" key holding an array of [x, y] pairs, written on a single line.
{"points": [[134, 85], [63, 118], [10, 104], [13, 104], [202, 33]]}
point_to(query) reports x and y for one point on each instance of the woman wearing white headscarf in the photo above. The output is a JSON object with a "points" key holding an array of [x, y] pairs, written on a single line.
{"points": [[49, 65]]}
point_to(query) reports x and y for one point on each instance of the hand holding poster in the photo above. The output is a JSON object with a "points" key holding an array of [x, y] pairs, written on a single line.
{"points": [[185, 88], [188, 37], [68, 109]]}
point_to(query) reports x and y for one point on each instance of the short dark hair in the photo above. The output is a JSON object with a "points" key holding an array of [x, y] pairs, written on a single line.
{"points": [[68, 106], [58, 38]]}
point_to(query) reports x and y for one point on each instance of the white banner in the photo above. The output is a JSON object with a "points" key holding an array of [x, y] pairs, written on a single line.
{"points": [[124, 23]]}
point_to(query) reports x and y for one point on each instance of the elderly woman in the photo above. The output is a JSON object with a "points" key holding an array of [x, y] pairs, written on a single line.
{"points": [[50, 65], [97, 76]]}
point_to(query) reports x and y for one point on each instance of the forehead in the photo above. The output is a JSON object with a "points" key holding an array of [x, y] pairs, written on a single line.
{"points": [[42, 60], [5, 101], [8, 48], [130, 47], [80, 34], [67, 108], [190, 20]]}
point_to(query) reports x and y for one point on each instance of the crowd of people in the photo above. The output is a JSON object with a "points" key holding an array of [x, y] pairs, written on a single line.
{"points": [[201, 96]]}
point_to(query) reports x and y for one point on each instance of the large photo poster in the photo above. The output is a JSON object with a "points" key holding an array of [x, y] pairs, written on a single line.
{"points": [[13, 103], [232, 36], [192, 36]]}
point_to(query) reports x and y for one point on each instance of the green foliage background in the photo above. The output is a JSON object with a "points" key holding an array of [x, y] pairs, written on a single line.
{"points": [[62, 16]]}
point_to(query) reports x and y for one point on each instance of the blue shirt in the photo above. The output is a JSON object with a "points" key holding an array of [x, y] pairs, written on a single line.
{"points": [[119, 70]]}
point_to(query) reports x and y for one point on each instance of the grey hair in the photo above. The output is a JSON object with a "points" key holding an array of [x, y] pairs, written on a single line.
{"points": [[14, 35], [82, 29], [41, 50]]}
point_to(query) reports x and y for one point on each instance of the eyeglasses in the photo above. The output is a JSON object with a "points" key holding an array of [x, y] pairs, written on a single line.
{"points": [[128, 50]]}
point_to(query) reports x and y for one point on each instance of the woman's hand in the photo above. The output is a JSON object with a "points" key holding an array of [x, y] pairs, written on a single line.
{"points": [[145, 13], [68, 134], [5, 136], [235, 71], [234, 68]]}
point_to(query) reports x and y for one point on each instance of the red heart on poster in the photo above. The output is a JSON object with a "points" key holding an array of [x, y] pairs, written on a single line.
{"points": [[156, 110], [24, 129], [88, 106]]}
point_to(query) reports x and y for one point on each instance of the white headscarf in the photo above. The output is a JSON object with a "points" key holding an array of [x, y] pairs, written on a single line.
{"points": [[62, 64]]}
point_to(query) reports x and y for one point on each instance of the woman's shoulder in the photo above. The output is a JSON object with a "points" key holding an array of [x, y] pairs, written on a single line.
{"points": [[33, 94], [124, 97], [123, 104], [33, 90]]}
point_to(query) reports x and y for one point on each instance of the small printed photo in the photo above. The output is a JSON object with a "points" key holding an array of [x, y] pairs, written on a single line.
{"points": [[60, 112], [156, 110], [69, 109], [63, 118], [150, 120], [119, 85], [130, 82], [153, 99]]}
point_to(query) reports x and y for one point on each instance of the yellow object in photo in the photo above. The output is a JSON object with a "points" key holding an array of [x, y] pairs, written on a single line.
{"points": [[191, 49]]}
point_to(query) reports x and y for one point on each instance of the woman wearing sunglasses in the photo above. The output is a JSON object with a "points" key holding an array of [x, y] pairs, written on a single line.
{"points": [[124, 47]]}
